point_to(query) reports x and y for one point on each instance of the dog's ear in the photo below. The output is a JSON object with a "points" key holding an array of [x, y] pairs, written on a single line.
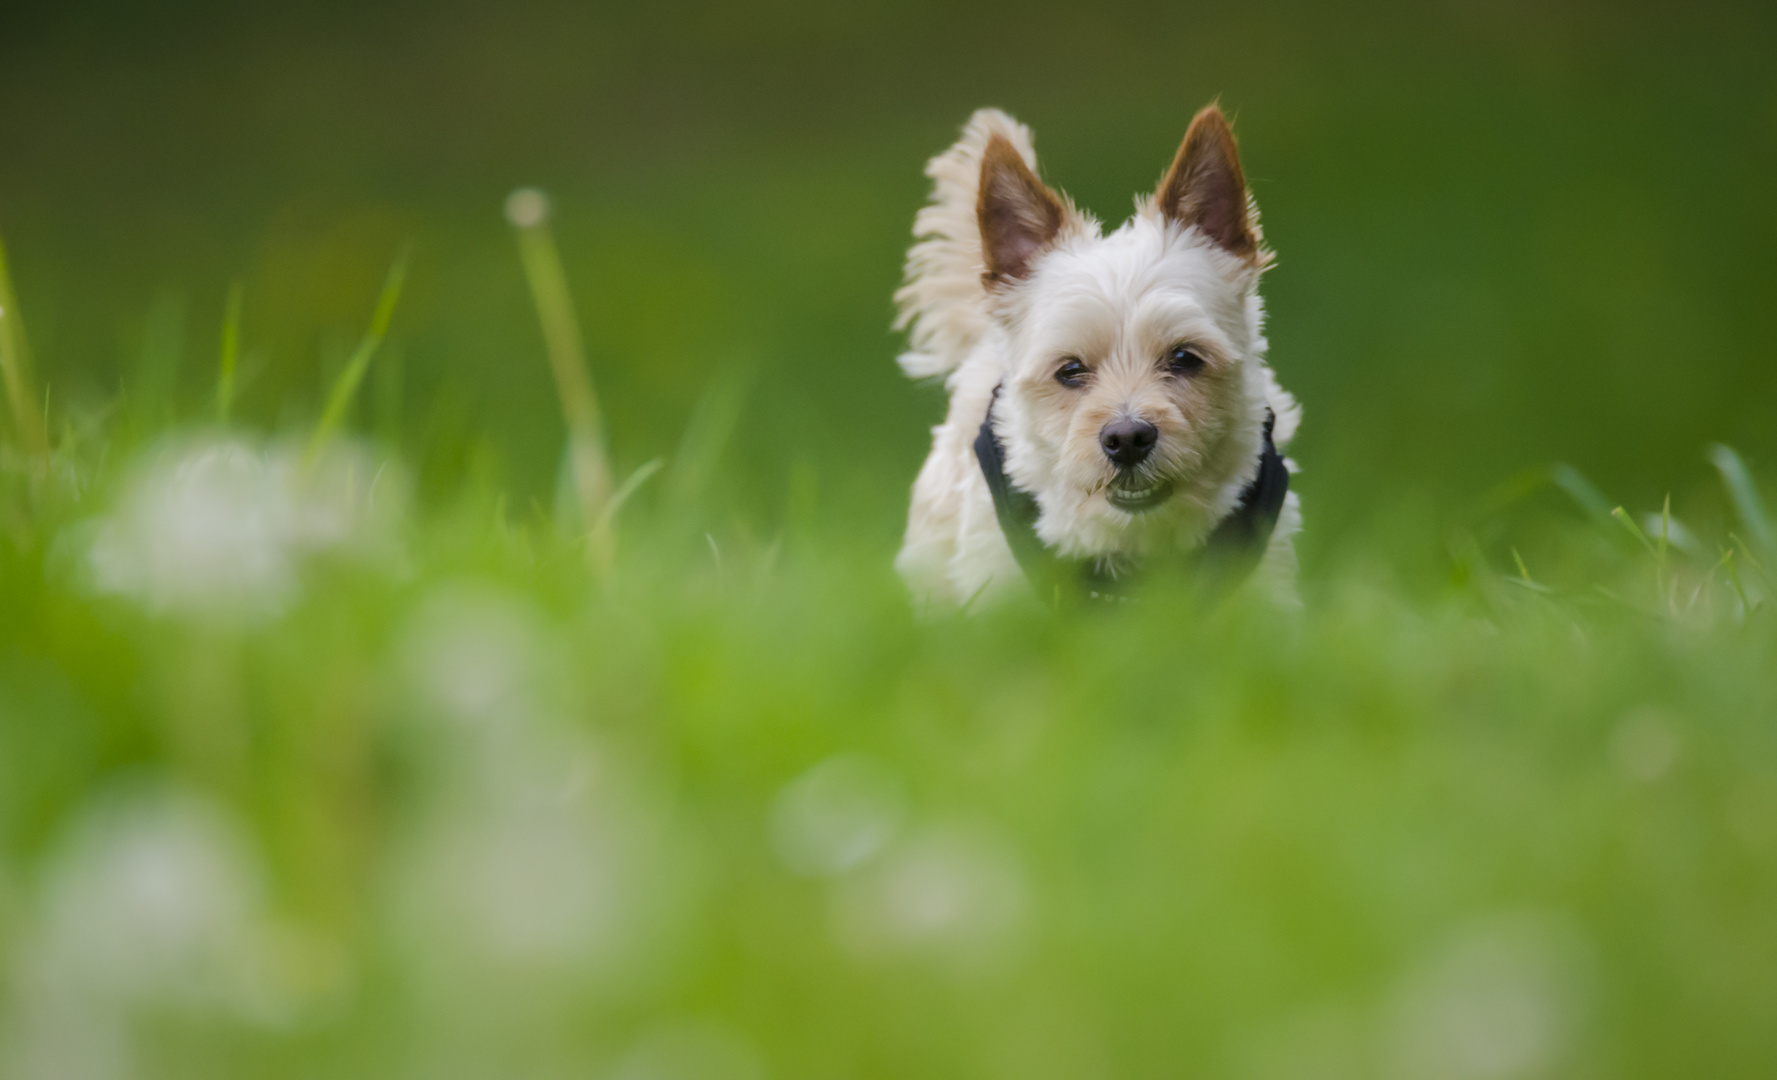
{"points": [[1206, 188], [1019, 217]]}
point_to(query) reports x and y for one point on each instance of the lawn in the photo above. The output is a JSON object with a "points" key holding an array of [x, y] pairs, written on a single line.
{"points": [[377, 699]]}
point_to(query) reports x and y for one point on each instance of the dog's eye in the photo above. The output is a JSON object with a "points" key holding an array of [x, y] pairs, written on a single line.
{"points": [[1072, 372], [1183, 360]]}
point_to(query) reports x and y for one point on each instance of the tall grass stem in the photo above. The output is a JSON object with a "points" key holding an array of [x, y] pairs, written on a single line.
{"points": [[15, 371], [528, 211]]}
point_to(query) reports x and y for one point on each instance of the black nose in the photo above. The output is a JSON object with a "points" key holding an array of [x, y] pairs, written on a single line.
{"points": [[1128, 442]]}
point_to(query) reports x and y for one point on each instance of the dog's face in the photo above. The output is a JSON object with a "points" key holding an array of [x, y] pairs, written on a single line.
{"points": [[1133, 401]]}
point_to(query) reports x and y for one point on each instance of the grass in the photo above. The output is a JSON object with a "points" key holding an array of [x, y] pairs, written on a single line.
{"points": [[15, 371], [303, 775]]}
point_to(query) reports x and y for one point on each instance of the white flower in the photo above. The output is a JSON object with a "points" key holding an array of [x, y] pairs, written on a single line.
{"points": [[837, 815], [153, 899], [152, 896], [1501, 1001], [532, 854], [477, 656], [216, 525], [529, 885], [954, 893]]}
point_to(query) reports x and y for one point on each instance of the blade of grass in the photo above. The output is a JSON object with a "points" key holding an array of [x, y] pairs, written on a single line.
{"points": [[231, 352], [700, 449], [387, 386], [1705, 585], [346, 385], [1665, 526], [974, 596], [1725, 567], [1679, 536], [1660, 580], [15, 371], [1524, 580], [1499, 498], [1635, 530], [1745, 496], [608, 521], [528, 211], [1580, 489], [1752, 560]]}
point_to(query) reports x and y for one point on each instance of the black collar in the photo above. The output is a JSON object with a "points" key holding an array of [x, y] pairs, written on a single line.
{"points": [[1226, 558]]}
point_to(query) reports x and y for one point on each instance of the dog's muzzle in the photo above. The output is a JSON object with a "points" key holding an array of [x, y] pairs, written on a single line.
{"points": [[1128, 442], [1134, 493]]}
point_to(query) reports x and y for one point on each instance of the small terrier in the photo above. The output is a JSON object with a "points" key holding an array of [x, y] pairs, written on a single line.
{"points": [[1111, 410]]}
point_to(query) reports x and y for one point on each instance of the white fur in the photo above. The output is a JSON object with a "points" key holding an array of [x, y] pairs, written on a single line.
{"points": [[1121, 299]]}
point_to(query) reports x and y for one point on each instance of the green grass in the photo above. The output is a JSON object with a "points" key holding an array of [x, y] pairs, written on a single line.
{"points": [[378, 700], [435, 794]]}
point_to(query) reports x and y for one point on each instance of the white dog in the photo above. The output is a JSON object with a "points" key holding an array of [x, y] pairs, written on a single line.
{"points": [[1110, 406]]}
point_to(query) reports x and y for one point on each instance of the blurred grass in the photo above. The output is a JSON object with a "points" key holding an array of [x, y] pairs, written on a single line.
{"points": [[1362, 840], [324, 749]]}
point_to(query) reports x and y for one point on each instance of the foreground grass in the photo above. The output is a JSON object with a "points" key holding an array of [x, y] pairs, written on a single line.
{"points": [[301, 775], [430, 798]]}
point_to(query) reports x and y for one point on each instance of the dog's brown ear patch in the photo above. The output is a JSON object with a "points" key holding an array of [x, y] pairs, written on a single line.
{"points": [[1206, 188], [1019, 217]]}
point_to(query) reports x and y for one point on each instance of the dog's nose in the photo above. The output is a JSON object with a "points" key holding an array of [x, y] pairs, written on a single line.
{"points": [[1128, 442]]}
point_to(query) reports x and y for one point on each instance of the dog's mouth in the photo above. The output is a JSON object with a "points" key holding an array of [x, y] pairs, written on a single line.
{"points": [[1135, 495]]}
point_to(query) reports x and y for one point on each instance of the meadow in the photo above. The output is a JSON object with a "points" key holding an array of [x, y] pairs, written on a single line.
{"points": [[449, 631]]}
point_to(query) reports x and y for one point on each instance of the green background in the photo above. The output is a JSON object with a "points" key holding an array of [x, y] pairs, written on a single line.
{"points": [[1508, 233]]}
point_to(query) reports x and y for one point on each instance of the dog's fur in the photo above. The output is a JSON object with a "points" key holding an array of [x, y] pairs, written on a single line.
{"points": [[1008, 281]]}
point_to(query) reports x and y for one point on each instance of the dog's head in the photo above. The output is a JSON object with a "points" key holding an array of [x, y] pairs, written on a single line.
{"points": [[1133, 400]]}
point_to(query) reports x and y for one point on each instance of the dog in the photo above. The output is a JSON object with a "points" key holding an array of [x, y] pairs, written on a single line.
{"points": [[1111, 409]]}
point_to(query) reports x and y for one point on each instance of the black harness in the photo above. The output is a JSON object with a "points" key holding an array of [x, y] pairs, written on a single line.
{"points": [[1229, 555]]}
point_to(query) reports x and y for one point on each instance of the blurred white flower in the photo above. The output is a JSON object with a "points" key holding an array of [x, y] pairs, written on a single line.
{"points": [[691, 1050], [522, 885], [837, 815], [530, 879], [476, 655], [956, 893], [1645, 744], [531, 853], [153, 896], [153, 899], [1502, 1001], [488, 676], [221, 525]]}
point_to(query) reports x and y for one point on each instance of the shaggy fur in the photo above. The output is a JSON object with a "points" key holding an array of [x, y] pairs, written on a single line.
{"points": [[1008, 282]]}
